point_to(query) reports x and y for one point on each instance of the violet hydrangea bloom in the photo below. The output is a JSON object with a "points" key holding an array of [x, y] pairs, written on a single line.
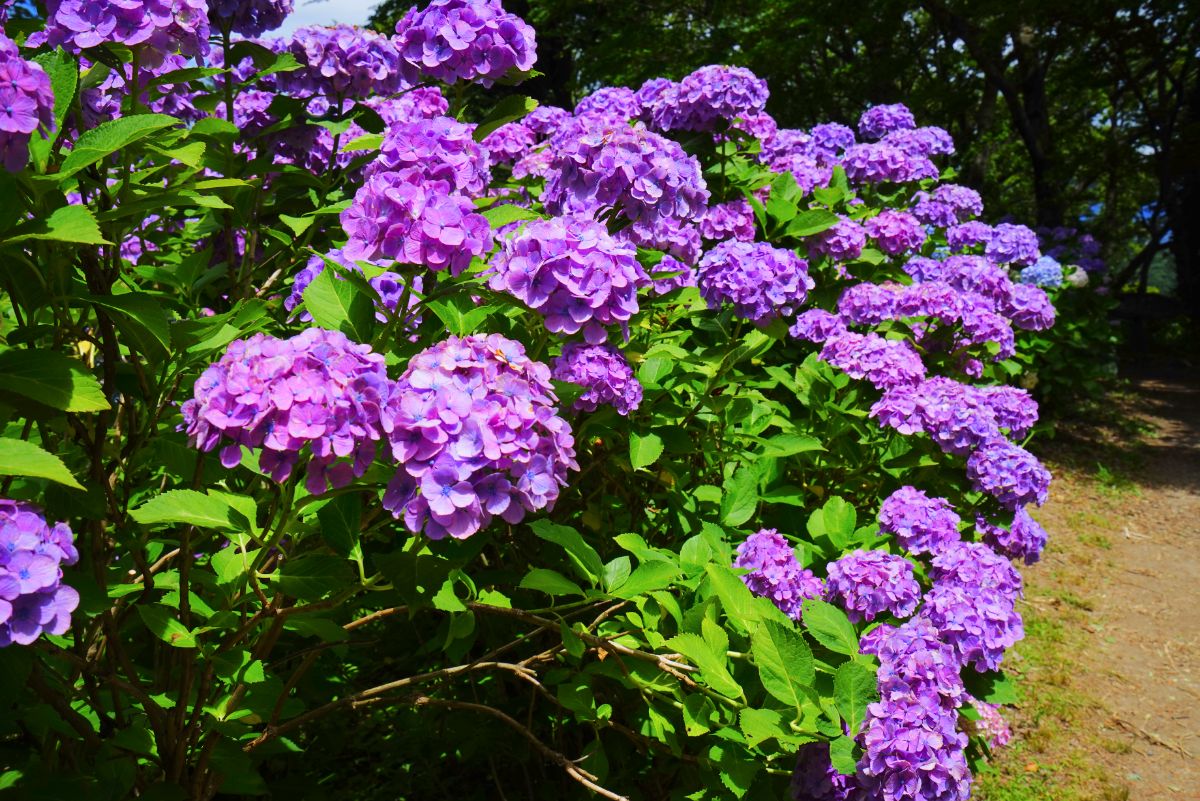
{"points": [[1023, 539], [732, 220], [595, 165], [760, 281], [844, 241], [474, 426], [439, 149], [249, 17], [712, 94], [975, 565], [614, 103], [573, 272], [1012, 244], [401, 216], [895, 232], [33, 599], [157, 27], [967, 235], [421, 103], [948, 205], [26, 104], [603, 372], [508, 143], [546, 120], [879, 121], [317, 391], [922, 142], [980, 623], [1009, 473], [1029, 308], [879, 162], [775, 574], [464, 40], [817, 325], [886, 363], [919, 523], [869, 304], [389, 286], [341, 61], [870, 583]]}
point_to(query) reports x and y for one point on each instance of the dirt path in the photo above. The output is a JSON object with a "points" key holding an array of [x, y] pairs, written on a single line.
{"points": [[1112, 664]]}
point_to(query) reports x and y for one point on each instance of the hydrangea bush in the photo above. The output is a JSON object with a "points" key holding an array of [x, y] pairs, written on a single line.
{"points": [[645, 449]]}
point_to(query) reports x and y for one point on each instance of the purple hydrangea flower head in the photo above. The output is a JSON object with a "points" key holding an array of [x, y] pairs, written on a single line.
{"points": [[652, 96], [508, 143], [440, 149], [775, 574], [671, 274], [732, 220], [673, 237], [809, 173], [879, 162], [421, 103], [1012, 244], [603, 372], [828, 140], [33, 599], [249, 17], [341, 61], [1029, 308], [886, 363], [895, 232], [870, 583], [762, 282], [595, 165], [759, 126], [977, 275], [869, 304], [1045, 272], [465, 40], [919, 523], [26, 104], [474, 425], [1013, 408], [844, 241], [787, 142], [1009, 473], [981, 326], [922, 142], [947, 206], [915, 664], [389, 286], [712, 94], [316, 392], [967, 235], [573, 272], [990, 726], [815, 779], [817, 325], [975, 566], [980, 623], [158, 27], [911, 752], [956, 416], [612, 103], [879, 121], [546, 120], [1023, 539], [932, 299], [402, 216]]}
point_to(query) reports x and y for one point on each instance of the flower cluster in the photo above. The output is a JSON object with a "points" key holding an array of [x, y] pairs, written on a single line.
{"points": [[775, 574], [157, 27], [973, 603], [464, 40], [508, 143], [317, 391], [989, 725], [879, 121], [1023, 539], [573, 272], [596, 164], [919, 523], [33, 599], [603, 372], [709, 95], [886, 363], [760, 281], [844, 241], [947, 206], [403, 216], [473, 424], [732, 220], [26, 104], [249, 17], [1045, 272], [341, 61], [869, 583], [438, 149], [616, 104]]}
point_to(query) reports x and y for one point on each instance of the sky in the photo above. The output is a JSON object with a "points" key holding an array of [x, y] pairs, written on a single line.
{"points": [[327, 12]]}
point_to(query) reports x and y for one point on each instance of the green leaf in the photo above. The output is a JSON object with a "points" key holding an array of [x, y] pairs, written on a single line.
{"points": [[616, 572], [186, 506], [341, 521], [853, 690], [812, 222], [63, 72], [698, 714], [550, 582], [841, 756], [836, 519], [647, 577], [735, 596], [52, 378], [339, 306], [654, 370], [313, 576], [790, 444], [829, 626], [760, 724], [21, 458], [162, 624], [993, 687], [785, 662], [711, 665], [109, 137], [741, 496], [644, 449], [143, 321], [583, 556], [500, 216], [362, 143], [74, 224], [513, 107]]}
